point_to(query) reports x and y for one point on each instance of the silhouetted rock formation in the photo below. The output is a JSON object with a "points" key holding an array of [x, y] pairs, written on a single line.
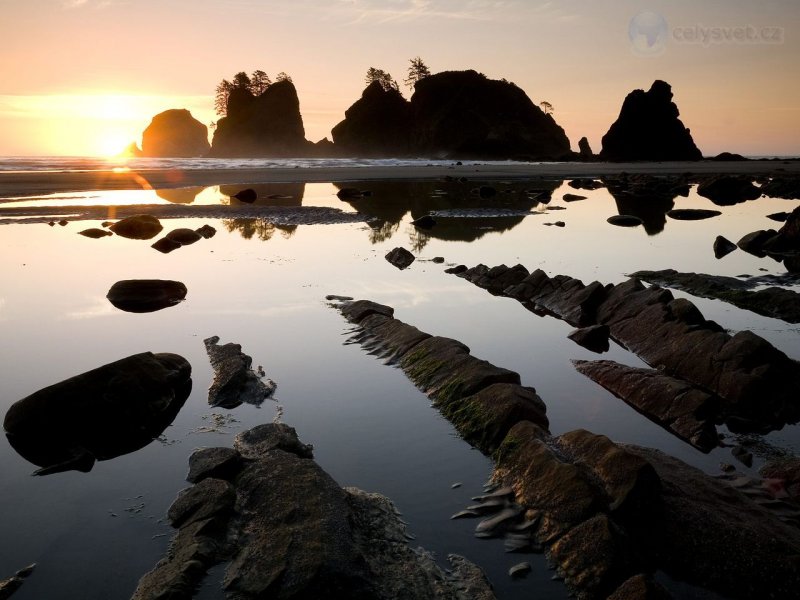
{"points": [[451, 114], [175, 133], [376, 125], [265, 125], [584, 149], [648, 128]]}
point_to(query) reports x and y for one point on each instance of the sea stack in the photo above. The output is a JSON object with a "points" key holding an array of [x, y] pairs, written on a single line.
{"points": [[648, 128], [175, 133], [266, 125]]}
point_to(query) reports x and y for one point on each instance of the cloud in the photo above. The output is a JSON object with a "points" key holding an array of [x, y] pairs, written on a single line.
{"points": [[73, 4], [384, 11]]}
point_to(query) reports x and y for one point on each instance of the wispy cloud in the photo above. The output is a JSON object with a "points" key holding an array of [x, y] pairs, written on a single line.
{"points": [[73, 4]]}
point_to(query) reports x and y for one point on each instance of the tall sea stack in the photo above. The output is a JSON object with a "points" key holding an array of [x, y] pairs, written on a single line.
{"points": [[648, 128]]}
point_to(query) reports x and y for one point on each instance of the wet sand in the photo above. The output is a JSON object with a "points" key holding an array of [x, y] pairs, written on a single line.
{"points": [[37, 183]]}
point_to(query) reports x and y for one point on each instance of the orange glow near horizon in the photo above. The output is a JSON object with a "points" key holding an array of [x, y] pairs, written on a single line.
{"points": [[89, 124]]}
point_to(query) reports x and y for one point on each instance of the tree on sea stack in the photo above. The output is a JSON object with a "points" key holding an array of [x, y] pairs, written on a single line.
{"points": [[417, 70], [547, 108], [259, 82], [387, 81], [283, 77]]}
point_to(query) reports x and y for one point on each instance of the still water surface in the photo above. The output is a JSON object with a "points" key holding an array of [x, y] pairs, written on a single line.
{"points": [[94, 534]]}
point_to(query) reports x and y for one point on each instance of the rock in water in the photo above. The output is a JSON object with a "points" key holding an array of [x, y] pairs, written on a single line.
{"points": [[400, 257], [137, 227], [648, 128], [146, 295], [594, 338], [723, 247], [95, 233], [692, 214], [175, 133], [234, 382], [184, 236], [624, 221], [248, 195], [101, 414]]}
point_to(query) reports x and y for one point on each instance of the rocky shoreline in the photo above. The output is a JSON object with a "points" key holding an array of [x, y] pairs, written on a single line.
{"points": [[608, 515]]}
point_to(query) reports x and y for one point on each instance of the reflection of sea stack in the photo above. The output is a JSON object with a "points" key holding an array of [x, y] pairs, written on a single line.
{"points": [[648, 128], [175, 133]]}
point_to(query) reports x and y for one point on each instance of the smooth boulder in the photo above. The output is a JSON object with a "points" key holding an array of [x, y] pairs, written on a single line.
{"points": [[146, 295]]}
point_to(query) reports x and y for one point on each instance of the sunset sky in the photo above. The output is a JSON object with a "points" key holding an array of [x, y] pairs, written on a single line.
{"points": [[84, 77]]}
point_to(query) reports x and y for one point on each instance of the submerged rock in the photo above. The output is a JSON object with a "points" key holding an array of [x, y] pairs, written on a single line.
{"points": [[234, 381], [184, 236], [137, 227], [146, 295], [247, 195], [101, 414], [287, 530]]}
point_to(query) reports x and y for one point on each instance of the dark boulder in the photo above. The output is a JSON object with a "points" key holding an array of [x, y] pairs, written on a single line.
{"points": [[165, 245], [400, 257], [727, 190], [782, 187], [377, 124], [624, 220], [723, 246], [206, 231], [787, 241], [349, 193], [573, 197], [265, 125], [146, 295], [648, 128], [175, 133], [137, 227], [184, 236], [424, 222], [728, 157], [234, 381], [692, 214], [753, 242], [95, 233], [101, 414]]}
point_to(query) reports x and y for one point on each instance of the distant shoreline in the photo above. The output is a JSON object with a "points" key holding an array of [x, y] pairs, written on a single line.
{"points": [[16, 184]]}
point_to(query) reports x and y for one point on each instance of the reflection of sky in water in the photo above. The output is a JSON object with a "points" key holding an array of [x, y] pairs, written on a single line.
{"points": [[370, 427]]}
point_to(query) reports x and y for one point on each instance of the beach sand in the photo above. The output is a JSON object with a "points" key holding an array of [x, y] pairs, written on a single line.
{"points": [[17, 184]]}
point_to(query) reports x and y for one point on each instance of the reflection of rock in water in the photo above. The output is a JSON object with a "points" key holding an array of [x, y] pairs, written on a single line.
{"points": [[648, 197], [389, 202], [184, 195], [262, 229], [101, 414], [268, 194]]}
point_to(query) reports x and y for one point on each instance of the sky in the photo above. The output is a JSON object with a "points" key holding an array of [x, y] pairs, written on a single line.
{"points": [[84, 77]]}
